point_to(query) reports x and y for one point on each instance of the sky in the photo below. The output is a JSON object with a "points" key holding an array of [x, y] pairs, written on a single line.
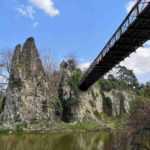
{"points": [[63, 28]]}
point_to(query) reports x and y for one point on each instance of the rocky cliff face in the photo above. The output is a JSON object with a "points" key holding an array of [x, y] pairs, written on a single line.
{"points": [[116, 102], [32, 97], [68, 93], [85, 106], [28, 97]]}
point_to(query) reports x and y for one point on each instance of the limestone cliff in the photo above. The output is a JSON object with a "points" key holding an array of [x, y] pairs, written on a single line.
{"points": [[85, 106], [28, 97], [33, 97]]}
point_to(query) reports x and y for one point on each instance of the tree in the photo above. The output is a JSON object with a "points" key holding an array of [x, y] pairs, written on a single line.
{"points": [[5, 66], [5, 60], [72, 61], [126, 75], [144, 90], [139, 120], [148, 84], [49, 65]]}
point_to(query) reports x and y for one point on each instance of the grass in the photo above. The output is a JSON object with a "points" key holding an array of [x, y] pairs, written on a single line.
{"points": [[85, 125], [114, 123], [77, 126], [54, 128], [4, 131]]}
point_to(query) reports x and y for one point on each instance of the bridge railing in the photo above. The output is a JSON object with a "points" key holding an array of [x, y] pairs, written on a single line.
{"points": [[130, 18]]}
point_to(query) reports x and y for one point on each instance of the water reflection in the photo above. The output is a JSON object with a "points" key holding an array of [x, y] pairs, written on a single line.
{"points": [[63, 141]]}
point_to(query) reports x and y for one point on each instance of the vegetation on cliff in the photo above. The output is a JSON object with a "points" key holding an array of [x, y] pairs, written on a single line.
{"points": [[38, 96]]}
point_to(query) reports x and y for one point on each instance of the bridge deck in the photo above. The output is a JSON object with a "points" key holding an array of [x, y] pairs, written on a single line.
{"points": [[131, 34]]}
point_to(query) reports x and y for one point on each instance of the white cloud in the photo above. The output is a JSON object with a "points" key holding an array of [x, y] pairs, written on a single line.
{"points": [[84, 66], [47, 6], [130, 5], [139, 62], [26, 11]]}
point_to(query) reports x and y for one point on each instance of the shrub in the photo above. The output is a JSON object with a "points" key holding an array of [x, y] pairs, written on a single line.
{"points": [[139, 119], [75, 79], [108, 85]]}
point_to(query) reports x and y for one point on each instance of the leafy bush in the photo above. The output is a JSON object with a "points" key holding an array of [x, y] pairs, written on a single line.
{"points": [[20, 127], [108, 85], [139, 119], [75, 79], [105, 85], [144, 90], [72, 98]]}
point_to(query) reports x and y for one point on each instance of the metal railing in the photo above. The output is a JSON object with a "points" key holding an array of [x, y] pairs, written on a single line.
{"points": [[130, 18]]}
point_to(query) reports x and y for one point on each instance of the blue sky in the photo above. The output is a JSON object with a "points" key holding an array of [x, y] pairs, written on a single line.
{"points": [[61, 27]]}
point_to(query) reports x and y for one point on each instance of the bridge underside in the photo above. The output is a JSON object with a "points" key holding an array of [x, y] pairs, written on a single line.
{"points": [[137, 33]]}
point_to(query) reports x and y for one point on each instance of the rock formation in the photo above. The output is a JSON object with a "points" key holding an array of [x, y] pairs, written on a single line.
{"points": [[89, 105], [68, 95], [116, 102], [28, 97], [32, 97], [77, 105]]}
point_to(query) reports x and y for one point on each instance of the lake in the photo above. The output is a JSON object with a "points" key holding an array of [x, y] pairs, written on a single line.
{"points": [[65, 141]]}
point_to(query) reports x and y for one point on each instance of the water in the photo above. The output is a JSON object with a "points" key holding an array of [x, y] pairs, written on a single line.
{"points": [[62, 141]]}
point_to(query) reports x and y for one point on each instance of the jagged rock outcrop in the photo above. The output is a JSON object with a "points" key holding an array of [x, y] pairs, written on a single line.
{"points": [[68, 93], [28, 98], [116, 102], [77, 106], [89, 105], [32, 96]]}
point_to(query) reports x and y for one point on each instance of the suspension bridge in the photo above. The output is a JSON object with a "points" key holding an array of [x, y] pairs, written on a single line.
{"points": [[133, 32]]}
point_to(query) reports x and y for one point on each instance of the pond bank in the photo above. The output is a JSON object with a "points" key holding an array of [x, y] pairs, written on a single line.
{"points": [[54, 128]]}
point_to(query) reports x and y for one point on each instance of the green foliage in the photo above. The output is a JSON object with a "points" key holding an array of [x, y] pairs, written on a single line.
{"points": [[124, 80], [20, 127], [144, 90], [127, 76], [73, 82], [75, 79], [139, 120], [85, 125], [139, 103], [4, 131], [114, 122], [108, 85], [105, 85], [72, 97]]}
